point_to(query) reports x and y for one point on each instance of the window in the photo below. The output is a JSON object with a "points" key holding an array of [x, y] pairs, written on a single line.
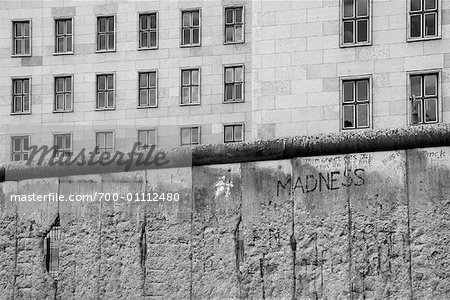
{"points": [[22, 38], [147, 89], [190, 86], [146, 138], [63, 93], [234, 84], [63, 36], [190, 31], [423, 19], [20, 148], [63, 143], [105, 34], [355, 25], [51, 248], [105, 91], [233, 133], [190, 135], [355, 103], [104, 141], [21, 102], [234, 25], [148, 32], [424, 98]]}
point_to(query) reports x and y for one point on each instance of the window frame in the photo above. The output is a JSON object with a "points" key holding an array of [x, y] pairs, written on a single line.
{"points": [[51, 249], [30, 96], [55, 77], [190, 86], [113, 141], [225, 67], [355, 102], [139, 48], [439, 111], [22, 151], [422, 12], [225, 42], [233, 125], [141, 147], [64, 150], [139, 89], [355, 18], [56, 20], [97, 75], [97, 44], [198, 127], [13, 38], [182, 45]]}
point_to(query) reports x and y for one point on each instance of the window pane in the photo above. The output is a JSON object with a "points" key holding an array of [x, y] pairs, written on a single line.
{"points": [[68, 141], [186, 36], [101, 82], [228, 134], [229, 75], [142, 138], [196, 36], [348, 91], [26, 86], [239, 15], [185, 77], [349, 121], [17, 104], [59, 85], [68, 84], [363, 115], [100, 140], [229, 32], [239, 34], [185, 95], [18, 29], [60, 26], [68, 102], [143, 22], [416, 86], [238, 88], [152, 79], [363, 7], [430, 82], [101, 25], [185, 136], [416, 22], [27, 46], [430, 4], [153, 39], [69, 43], [416, 5], [151, 138], [110, 82], [101, 100], [229, 15], [143, 39], [238, 133], [60, 44], [102, 42], [26, 29], [69, 26], [26, 103], [229, 91], [195, 137], [195, 94], [59, 141], [430, 24], [16, 142], [238, 74], [59, 102], [16, 157], [348, 32], [362, 90], [110, 41], [110, 99], [186, 19], [416, 112], [195, 77], [26, 143], [152, 21], [362, 30], [17, 87], [195, 18], [143, 80], [110, 24], [143, 97], [348, 8], [431, 110], [152, 97], [109, 139]]}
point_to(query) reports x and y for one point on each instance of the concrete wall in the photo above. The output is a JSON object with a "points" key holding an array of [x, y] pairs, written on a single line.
{"points": [[298, 61], [125, 62], [358, 226]]}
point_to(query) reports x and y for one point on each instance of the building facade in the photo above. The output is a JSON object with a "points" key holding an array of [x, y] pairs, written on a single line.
{"points": [[82, 74]]}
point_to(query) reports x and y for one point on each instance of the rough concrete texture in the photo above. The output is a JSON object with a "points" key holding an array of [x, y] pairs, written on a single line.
{"points": [[358, 226]]}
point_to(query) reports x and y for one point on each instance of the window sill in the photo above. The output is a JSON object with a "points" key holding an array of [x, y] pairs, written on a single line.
{"points": [[21, 55], [234, 43], [62, 53], [357, 129], [103, 109], [144, 107], [423, 39], [190, 46], [105, 51], [147, 48], [62, 111], [20, 113], [355, 45], [189, 104], [232, 101]]}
